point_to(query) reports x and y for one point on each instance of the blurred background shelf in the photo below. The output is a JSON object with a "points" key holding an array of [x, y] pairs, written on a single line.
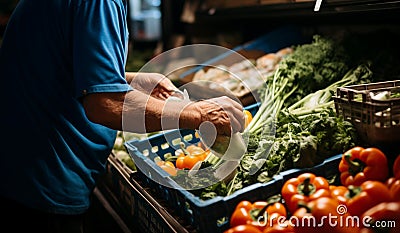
{"points": [[287, 10]]}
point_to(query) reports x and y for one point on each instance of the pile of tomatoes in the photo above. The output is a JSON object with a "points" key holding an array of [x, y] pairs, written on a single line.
{"points": [[366, 201]]}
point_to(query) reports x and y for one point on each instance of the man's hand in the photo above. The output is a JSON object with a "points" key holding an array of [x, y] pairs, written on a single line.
{"points": [[154, 84], [223, 112]]}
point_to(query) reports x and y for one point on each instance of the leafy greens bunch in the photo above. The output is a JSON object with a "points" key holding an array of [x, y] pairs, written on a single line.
{"points": [[309, 68], [314, 66]]}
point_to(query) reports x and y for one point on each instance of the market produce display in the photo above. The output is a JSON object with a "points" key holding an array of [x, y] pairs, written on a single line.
{"points": [[360, 208], [295, 127]]}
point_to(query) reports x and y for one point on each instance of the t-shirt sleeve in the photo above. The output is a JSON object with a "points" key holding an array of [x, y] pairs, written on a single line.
{"points": [[100, 47]]}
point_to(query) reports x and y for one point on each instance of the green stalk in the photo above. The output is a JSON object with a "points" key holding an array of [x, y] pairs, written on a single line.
{"points": [[306, 111], [271, 113], [263, 117], [264, 105], [266, 108], [300, 102], [324, 100], [231, 183], [261, 125]]}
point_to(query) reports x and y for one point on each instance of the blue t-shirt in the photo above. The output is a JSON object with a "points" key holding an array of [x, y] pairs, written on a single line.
{"points": [[53, 53]]}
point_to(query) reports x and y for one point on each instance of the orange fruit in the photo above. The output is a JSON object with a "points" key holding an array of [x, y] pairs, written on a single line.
{"points": [[247, 117]]}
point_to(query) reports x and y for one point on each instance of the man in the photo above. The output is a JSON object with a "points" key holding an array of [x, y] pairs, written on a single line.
{"points": [[64, 95]]}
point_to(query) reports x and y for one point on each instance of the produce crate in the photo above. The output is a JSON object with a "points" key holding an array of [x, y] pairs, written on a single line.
{"points": [[377, 121], [205, 215], [139, 210], [270, 42]]}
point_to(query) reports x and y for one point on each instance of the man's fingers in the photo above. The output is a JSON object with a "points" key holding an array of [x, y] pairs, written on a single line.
{"points": [[167, 85], [237, 121], [237, 105]]}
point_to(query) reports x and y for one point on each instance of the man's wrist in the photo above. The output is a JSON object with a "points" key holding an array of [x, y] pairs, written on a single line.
{"points": [[190, 117], [129, 76]]}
